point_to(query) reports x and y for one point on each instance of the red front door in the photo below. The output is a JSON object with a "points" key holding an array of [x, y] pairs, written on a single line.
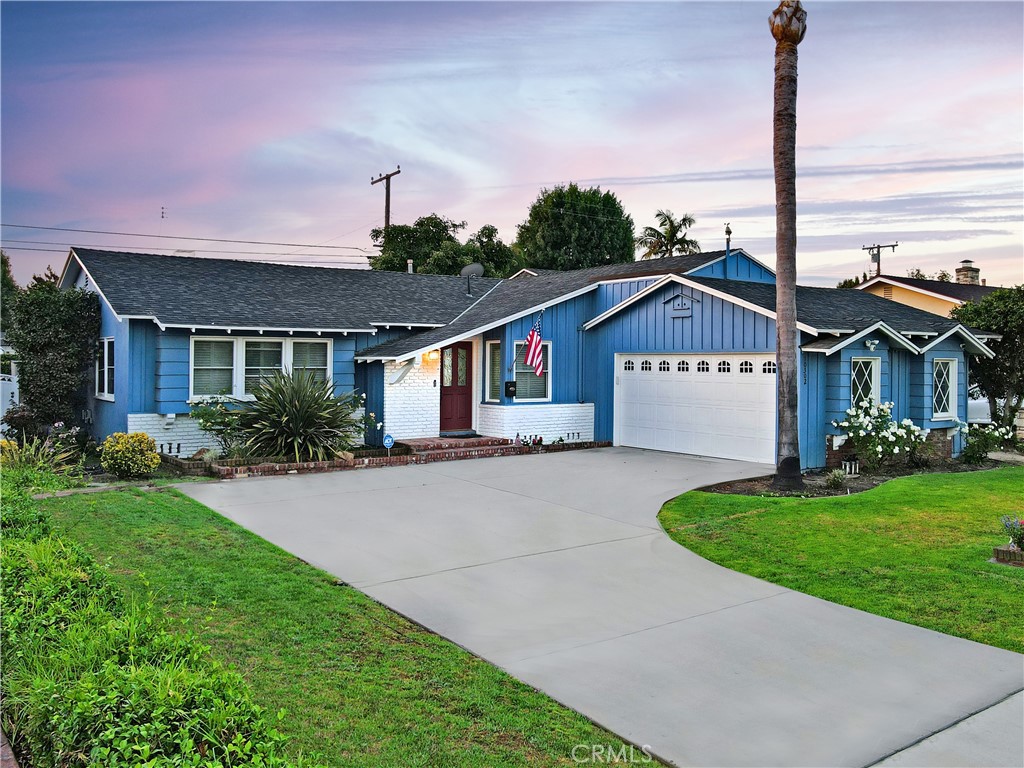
{"points": [[457, 387]]}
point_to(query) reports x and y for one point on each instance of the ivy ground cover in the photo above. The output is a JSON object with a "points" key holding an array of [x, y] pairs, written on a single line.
{"points": [[915, 549], [360, 684]]}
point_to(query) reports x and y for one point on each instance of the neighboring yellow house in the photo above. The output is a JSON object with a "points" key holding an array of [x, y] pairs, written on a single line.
{"points": [[934, 296]]}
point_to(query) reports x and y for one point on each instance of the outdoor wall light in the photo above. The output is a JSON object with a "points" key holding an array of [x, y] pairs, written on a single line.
{"points": [[433, 355], [871, 344]]}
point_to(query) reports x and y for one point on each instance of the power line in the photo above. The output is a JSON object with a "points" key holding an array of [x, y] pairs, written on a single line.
{"points": [[157, 248], [183, 237]]}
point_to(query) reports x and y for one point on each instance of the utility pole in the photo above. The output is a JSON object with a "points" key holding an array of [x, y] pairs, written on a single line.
{"points": [[876, 254], [386, 178]]}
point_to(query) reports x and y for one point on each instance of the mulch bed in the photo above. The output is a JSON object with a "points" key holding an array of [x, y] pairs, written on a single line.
{"points": [[814, 482]]}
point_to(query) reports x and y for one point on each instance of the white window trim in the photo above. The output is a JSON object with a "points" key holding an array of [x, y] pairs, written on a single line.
{"points": [[547, 377], [238, 361], [487, 371], [953, 389], [106, 396], [876, 378]]}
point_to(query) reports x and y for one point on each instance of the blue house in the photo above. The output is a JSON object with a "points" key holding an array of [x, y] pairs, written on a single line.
{"points": [[674, 354]]}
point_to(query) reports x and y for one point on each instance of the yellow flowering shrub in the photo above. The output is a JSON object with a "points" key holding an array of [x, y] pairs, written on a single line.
{"points": [[129, 455]]}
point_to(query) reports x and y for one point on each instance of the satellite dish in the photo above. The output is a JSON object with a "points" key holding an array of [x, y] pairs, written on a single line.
{"points": [[472, 270]]}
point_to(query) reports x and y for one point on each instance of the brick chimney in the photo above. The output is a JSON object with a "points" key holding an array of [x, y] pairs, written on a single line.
{"points": [[967, 273]]}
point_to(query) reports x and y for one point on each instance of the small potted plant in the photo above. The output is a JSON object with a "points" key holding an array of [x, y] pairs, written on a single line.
{"points": [[1013, 552]]}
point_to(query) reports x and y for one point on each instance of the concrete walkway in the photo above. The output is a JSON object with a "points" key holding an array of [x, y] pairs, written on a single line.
{"points": [[554, 568]]}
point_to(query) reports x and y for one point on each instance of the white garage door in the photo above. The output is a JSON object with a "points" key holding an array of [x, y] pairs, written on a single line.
{"points": [[710, 405]]}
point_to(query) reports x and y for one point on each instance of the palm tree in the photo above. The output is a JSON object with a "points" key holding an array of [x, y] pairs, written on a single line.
{"points": [[788, 24], [669, 237]]}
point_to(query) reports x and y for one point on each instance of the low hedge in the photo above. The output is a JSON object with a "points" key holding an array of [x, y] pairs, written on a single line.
{"points": [[90, 678]]}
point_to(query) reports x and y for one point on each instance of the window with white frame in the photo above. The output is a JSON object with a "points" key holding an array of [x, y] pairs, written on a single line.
{"points": [[943, 389], [530, 386], [864, 380], [493, 349], [234, 367], [311, 357], [105, 369]]}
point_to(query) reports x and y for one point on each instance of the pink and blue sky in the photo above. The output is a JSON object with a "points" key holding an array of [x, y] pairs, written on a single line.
{"points": [[265, 121]]}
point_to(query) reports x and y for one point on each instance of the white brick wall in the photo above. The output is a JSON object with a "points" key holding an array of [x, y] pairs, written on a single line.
{"points": [[550, 421], [412, 407], [182, 438]]}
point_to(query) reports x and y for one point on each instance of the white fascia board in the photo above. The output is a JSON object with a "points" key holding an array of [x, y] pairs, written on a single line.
{"points": [[879, 326], [408, 325], [72, 258], [883, 279], [523, 271], [447, 341], [259, 328], [968, 336], [93, 283], [640, 295]]}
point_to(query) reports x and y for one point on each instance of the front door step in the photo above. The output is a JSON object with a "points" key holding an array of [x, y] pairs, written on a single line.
{"points": [[445, 443]]}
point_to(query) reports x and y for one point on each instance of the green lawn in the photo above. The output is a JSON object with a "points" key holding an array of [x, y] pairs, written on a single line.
{"points": [[914, 549], [362, 685]]}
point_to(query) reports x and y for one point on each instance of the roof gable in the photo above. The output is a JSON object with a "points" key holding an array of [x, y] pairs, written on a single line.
{"points": [[956, 293]]}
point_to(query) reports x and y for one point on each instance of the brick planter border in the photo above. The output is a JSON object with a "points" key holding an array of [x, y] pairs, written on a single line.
{"points": [[237, 468], [1009, 555]]}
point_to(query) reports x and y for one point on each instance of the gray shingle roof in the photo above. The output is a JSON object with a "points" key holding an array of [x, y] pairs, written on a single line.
{"points": [[512, 298], [956, 291], [837, 309], [190, 291]]}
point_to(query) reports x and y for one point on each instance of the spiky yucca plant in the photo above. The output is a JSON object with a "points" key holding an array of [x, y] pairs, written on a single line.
{"points": [[297, 416]]}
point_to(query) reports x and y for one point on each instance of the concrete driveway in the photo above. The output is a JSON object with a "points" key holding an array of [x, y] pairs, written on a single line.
{"points": [[554, 568]]}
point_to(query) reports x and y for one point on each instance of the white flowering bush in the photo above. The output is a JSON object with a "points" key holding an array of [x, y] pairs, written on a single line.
{"points": [[982, 438], [877, 439]]}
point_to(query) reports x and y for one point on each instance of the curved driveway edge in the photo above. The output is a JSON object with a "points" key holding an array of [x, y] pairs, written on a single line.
{"points": [[554, 567]]}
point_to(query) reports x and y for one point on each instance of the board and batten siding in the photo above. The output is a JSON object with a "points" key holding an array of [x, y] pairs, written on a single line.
{"points": [[737, 266], [652, 325], [814, 424], [561, 326]]}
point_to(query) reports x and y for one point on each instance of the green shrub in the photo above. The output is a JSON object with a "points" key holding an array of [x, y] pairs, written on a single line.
{"points": [[92, 679], [835, 479], [219, 419], [129, 455], [295, 415], [877, 440], [54, 334], [37, 453], [980, 440]]}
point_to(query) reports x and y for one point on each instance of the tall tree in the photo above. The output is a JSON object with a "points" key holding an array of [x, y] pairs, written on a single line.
{"points": [[1000, 379], [788, 23], [668, 238], [416, 241], [8, 290], [570, 228]]}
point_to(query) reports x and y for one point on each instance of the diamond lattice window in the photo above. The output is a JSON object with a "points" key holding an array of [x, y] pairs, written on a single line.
{"points": [[942, 387], [862, 381]]}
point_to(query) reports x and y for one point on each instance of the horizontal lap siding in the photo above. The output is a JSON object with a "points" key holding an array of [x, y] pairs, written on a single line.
{"points": [[171, 350]]}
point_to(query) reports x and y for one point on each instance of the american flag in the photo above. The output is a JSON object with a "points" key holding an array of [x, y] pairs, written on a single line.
{"points": [[535, 349]]}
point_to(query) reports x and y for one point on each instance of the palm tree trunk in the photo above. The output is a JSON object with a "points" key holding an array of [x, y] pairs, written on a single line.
{"points": [[788, 28]]}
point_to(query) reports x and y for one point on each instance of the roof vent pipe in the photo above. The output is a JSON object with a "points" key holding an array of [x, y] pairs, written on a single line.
{"points": [[408, 265]]}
